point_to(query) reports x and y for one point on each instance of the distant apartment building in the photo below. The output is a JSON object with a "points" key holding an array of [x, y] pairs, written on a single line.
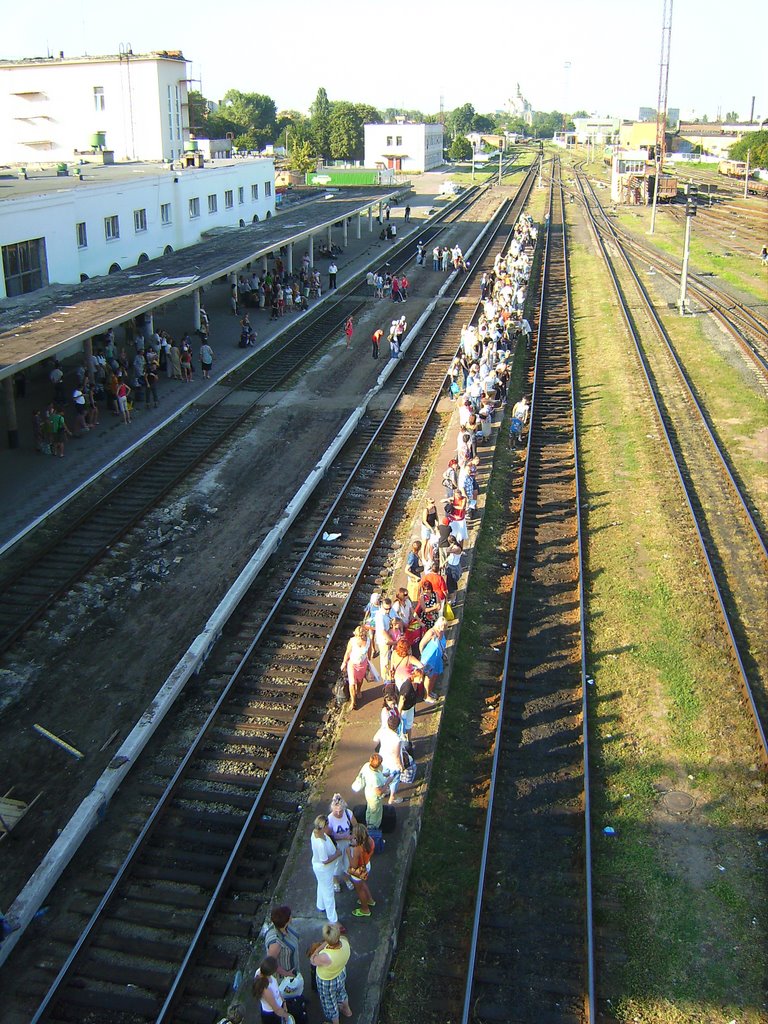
{"points": [[52, 109], [60, 230], [404, 146]]}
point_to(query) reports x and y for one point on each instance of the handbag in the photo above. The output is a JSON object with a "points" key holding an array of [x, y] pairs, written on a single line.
{"points": [[291, 988], [448, 613], [341, 689], [408, 774], [359, 784]]}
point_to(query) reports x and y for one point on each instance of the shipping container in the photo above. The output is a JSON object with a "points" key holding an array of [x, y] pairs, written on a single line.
{"points": [[345, 176]]}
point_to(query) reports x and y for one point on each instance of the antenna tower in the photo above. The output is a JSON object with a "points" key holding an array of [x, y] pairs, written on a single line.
{"points": [[661, 105]]}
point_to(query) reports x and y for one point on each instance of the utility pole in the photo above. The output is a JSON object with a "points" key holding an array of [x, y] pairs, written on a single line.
{"points": [[501, 151], [661, 103], [690, 213], [746, 174], [473, 163]]}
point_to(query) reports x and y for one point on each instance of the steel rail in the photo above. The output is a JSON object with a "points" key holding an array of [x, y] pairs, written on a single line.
{"points": [[129, 493], [724, 307], [539, 370], [178, 983], [689, 390], [662, 420]]}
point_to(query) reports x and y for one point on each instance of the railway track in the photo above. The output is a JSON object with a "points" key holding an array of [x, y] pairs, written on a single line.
{"points": [[746, 327], [731, 539], [160, 944], [33, 577], [531, 947]]}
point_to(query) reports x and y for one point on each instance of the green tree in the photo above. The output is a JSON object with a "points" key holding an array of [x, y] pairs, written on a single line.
{"points": [[320, 119], [302, 158], [459, 121], [756, 143], [546, 124], [293, 128], [344, 132], [461, 149], [483, 124], [731, 116], [198, 112], [253, 114]]}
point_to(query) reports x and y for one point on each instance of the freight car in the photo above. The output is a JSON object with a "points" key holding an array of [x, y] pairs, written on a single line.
{"points": [[734, 168]]}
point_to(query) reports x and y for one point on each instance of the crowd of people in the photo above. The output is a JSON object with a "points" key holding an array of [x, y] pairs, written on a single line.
{"points": [[396, 655]]}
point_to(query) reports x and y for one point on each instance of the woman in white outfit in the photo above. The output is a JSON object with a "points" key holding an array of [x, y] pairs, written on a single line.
{"points": [[324, 858], [391, 750], [340, 823]]}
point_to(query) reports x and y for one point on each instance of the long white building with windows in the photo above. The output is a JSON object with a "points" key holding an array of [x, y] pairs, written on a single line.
{"points": [[61, 230], [52, 109]]}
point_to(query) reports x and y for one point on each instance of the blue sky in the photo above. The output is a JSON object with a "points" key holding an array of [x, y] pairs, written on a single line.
{"points": [[412, 54]]}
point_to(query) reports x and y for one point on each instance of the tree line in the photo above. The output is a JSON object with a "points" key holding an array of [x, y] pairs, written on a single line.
{"points": [[334, 128]]}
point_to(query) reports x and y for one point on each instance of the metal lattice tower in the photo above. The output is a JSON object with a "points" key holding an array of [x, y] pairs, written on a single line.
{"points": [[661, 104]]}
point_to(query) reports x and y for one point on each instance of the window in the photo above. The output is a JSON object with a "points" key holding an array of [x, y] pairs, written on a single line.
{"points": [[398, 140], [254, 192], [241, 195], [229, 199], [389, 140], [82, 235], [178, 114], [98, 98], [194, 208], [25, 266], [213, 204], [139, 220], [165, 213], [111, 228], [267, 189]]}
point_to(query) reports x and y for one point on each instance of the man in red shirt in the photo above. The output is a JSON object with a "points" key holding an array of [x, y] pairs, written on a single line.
{"points": [[438, 584]]}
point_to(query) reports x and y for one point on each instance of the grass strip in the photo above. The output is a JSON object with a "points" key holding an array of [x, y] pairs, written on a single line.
{"points": [[680, 900]]}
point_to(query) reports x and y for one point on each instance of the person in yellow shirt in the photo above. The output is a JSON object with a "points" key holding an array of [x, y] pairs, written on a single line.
{"points": [[330, 959]]}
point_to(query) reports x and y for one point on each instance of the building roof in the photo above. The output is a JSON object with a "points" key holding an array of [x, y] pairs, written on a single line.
{"points": [[44, 181], [42, 323], [61, 60]]}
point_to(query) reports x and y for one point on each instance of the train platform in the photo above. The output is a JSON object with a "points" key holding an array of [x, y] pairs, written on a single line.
{"points": [[373, 940], [32, 485]]}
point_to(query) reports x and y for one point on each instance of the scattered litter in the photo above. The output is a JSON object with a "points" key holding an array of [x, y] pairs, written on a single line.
{"points": [[609, 830], [496, 649], [137, 586], [690, 777], [118, 762], [177, 559], [59, 742], [590, 682], [331, 536], [238, 980], [720, 867], [107, 741]]}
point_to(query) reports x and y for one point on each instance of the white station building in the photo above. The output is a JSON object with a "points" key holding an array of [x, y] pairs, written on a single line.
{"points": [[404, 146], [60, 230], [135, 106]]}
